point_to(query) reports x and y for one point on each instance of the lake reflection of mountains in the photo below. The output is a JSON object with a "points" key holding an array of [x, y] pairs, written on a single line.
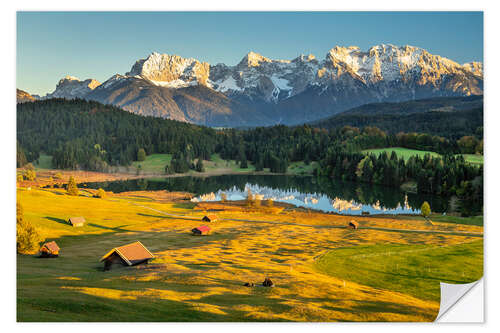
{"points": [[317, 193], [308, 200]]}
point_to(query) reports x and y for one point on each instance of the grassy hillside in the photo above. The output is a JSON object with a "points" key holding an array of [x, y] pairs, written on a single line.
{"points": [[412, 269], [450, 117], [154, 163], [407, 153], [201, 278]]}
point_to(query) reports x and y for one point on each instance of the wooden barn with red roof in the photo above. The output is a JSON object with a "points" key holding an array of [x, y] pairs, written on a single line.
{"points": [[201, 230], [127, 255], [49, 250]]}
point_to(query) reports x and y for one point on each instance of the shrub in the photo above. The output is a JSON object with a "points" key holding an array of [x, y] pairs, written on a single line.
{"points": [[250, 198], [223, 197], [29, 166], [72, 188], [269, 202], [58, 175], [425, 209], [100, 194], [29, 174], [27, 236], [19, 178]]}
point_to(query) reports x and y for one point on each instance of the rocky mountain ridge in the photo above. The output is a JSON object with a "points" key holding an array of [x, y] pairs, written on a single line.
{"points": [[262, 91]]}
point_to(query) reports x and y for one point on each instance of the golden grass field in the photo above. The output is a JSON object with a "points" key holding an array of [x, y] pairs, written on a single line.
{"points": [[201, 278]]}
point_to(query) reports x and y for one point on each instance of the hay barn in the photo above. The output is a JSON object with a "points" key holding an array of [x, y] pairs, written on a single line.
{"points": [[353, 225], [76, 221], [201, 230], [49, 250], [127, 255], [209, 218]]}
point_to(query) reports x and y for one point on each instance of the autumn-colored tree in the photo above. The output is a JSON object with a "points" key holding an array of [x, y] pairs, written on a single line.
{"points": [[425, 209], [72, 188], [27, 236]]}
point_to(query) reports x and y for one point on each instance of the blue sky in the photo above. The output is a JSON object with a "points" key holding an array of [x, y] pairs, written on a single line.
{"points": [[51, 45]]}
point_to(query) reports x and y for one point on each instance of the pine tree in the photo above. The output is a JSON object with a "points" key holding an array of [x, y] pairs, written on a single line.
{"points": [[141, 155], [199, 166]]}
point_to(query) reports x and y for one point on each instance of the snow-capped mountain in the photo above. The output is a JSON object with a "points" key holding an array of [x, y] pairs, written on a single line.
{"points": [[262, 91], [72, 87]]}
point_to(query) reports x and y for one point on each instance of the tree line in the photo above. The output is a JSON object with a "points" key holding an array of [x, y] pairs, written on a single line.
{"points": [[82, 134]]}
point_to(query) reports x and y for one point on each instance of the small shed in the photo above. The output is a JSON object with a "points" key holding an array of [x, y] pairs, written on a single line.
{"points": [[353, 225], [209, 218], [201, 230], [127, 255], [49, 250], [76, 221]]}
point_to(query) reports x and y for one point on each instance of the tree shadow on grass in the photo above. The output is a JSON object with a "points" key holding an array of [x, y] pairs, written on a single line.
{"points": [[116, 229], [55, 219]]}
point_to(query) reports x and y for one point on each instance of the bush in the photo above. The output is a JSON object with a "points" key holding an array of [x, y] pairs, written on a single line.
{"points": [[100, 194], [58, 175], [250, 198], [72, 188], [29, 166], [223, 197], [19, 178], [269, 202], [29, 174], [425, 210], [27, 236]]}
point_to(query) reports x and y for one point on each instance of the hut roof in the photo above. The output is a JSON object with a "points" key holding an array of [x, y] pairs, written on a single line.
{"points": [[131, 253], [51, 246], [76, 220], [203, 228]]}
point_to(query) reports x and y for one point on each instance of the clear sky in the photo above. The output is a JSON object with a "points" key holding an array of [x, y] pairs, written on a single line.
{"points": [[51, 45]]}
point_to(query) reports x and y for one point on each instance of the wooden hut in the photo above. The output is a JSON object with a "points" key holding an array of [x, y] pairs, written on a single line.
{"points": [[353, 225], [209, 218], [127, 255], [76, 221], [49, 250], [201, 230]]}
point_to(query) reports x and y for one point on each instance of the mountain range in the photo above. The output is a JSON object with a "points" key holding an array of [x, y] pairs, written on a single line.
{"points": [[261, 91]]}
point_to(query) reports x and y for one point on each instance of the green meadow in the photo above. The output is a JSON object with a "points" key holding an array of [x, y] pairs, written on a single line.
{"points": [[407, 153], [411, 269]]}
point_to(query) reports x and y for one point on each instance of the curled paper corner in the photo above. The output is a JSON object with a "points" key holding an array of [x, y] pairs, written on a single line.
{"points": [[457, 306]]}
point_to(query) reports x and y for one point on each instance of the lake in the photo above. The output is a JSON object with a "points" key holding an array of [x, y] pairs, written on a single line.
{"points": [[303, 191]]}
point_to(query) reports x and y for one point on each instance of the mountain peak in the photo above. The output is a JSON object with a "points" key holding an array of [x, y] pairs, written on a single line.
{"points": [[170, 70], [253, 59]]}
